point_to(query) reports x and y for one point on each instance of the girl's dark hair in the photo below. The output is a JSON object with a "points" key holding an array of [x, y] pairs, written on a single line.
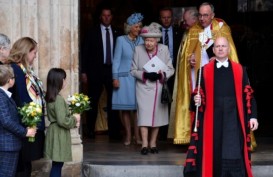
{"points": [[55, 78]]}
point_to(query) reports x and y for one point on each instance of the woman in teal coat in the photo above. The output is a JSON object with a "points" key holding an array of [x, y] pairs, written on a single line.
{"points": [[58, 138]]}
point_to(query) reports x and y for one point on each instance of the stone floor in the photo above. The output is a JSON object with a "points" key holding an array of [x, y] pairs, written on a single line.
{"points": [[101, 152]]}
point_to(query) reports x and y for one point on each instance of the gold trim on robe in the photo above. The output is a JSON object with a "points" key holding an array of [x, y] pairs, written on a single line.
{"points": [[173, 105], [182, 121]]}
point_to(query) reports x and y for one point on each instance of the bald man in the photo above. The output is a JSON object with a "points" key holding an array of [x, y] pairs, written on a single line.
{"points": [[227, 112]]}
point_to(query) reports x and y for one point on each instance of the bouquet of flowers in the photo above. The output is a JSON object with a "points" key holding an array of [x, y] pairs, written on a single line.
{"points": [[31, 114], [78, 103]]}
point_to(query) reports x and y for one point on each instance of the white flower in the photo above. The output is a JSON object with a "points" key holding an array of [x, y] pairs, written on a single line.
{"points": [[70, 98], [78, 103]]}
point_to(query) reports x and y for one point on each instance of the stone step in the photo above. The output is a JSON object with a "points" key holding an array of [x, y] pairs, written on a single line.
{"points": [[106, 170], [109, 159]]}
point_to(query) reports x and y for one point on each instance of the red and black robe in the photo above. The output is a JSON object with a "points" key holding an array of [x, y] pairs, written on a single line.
{"points": [[223, 122]]}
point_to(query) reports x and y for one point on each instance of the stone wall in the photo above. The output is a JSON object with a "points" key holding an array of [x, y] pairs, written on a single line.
{"points": [[54, 25]]}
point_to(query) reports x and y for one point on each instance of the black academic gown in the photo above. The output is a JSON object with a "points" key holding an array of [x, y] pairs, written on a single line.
{"points": [[223, 134]]}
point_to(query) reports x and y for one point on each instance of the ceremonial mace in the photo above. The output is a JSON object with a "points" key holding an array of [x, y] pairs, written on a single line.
{"points": [[202, 38]]}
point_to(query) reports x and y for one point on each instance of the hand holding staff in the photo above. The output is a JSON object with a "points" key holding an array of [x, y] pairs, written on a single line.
{"points": [[202, 38]]}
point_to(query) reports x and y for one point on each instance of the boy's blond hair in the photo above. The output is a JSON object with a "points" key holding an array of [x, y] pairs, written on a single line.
{"points": [[6, 73]]}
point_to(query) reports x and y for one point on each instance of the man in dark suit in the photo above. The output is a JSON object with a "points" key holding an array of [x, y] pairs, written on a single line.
{"points": [[171, 36], [11, 131], [97, 72]]}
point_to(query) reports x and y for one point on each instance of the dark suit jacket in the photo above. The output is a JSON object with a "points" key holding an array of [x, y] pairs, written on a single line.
{"points": [[11, 132], [92, 54], [177, 37]]}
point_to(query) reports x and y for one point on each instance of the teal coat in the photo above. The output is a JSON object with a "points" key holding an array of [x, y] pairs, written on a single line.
{"points": [[58, 138]]}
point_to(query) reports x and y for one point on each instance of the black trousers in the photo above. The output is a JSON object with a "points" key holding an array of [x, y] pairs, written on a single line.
{"points": [[95, 89]]}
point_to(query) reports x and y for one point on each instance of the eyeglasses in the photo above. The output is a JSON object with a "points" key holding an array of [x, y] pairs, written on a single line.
{"points": [[6, 47], [203, 15], [218, 46], [12, 77]]}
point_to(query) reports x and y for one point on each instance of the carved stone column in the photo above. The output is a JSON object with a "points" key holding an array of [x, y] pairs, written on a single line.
{"points": [[54, 25]]}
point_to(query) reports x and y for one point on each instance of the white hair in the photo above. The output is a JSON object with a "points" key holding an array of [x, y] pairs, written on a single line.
{"points": [[4, 40]]}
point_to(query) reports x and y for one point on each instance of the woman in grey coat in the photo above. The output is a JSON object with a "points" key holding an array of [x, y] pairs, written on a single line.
{"points": [[150, 111]]}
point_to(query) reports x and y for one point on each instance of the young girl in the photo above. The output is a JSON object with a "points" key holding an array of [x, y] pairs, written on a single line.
{"points": [[58, 138]]}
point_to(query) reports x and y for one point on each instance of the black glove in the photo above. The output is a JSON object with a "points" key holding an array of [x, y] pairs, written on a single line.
{"points": [[152, 76]]}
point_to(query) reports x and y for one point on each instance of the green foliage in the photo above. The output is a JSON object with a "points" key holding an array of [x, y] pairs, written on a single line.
{"points": [[78, 103], [31, 115]]}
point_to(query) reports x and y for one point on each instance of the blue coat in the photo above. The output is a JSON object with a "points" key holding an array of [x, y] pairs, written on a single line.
{"points": [[11, 132], [124, 97]]}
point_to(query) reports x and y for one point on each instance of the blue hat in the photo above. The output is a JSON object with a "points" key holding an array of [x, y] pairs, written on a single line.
{"points": [[134, 18]]}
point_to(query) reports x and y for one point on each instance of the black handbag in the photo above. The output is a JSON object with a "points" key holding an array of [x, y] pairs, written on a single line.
{"points": [[166, 96]]}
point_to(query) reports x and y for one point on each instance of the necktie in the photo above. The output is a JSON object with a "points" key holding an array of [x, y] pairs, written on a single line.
{"points": [[108, 47], [166, 39], [220, 64]]}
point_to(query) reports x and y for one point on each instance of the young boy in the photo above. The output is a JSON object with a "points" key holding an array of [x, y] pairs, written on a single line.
{"points": [[11, 131]]}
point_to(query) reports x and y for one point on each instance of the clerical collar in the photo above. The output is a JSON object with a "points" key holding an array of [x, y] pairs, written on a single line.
{"points": [[219, 64], [207, 28], [221, 61], [207, 31]]}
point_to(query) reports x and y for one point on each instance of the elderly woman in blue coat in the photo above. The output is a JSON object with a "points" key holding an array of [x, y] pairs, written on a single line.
{"points": [[151, 113]]}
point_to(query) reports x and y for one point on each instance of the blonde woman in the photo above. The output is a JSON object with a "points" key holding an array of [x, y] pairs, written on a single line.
{"points": [[27, 88]]}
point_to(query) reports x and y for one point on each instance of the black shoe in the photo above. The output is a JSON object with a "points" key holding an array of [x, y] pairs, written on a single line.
{"points": [[144, 151], [154, 150]]}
